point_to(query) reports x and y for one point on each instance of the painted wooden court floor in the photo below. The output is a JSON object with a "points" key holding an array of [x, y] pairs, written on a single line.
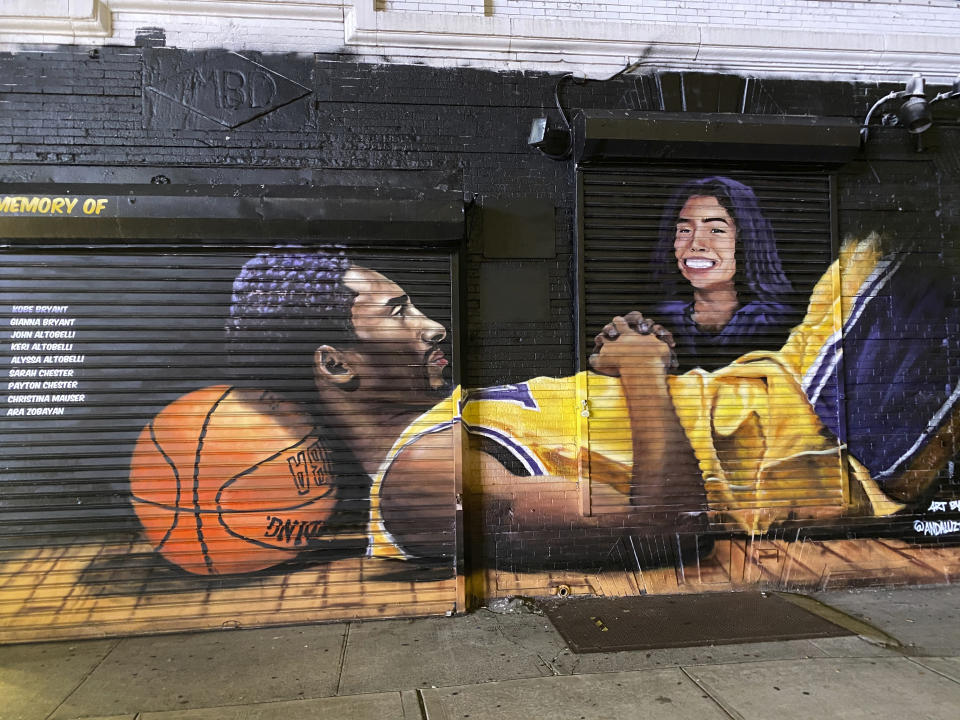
{"points": [[83, 590]]}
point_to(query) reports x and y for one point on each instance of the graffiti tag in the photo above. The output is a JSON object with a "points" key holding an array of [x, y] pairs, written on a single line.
{"points": [[936, 527], [943, 505]]}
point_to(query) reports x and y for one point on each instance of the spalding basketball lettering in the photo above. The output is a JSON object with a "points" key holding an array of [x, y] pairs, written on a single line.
{"points": [[295, 532], [308, 467]]}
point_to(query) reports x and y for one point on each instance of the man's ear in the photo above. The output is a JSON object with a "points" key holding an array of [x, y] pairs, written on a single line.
{"points": [[332, 366]]}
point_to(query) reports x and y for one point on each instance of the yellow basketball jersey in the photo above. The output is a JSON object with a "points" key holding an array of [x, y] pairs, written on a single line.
{"points": [[440, 417], [534, 429], [763, 452]]}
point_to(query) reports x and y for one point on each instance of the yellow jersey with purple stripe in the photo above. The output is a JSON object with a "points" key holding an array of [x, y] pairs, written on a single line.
{"points": [[765, 452], [439, 418], [533, 428]]}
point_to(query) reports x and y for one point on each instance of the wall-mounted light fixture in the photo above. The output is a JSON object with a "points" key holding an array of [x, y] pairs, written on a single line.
{"points": [[554, 142], [913, 114]]}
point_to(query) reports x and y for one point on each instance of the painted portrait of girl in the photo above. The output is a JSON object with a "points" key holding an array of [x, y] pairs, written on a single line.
{"points": [[718, 271]]}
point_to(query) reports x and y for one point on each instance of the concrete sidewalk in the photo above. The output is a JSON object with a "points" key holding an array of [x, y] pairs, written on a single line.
{"points": [[504, 666]]}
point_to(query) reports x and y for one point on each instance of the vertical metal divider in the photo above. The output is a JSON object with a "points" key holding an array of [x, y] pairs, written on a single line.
{"points": [[583, 388], [463, 568]]}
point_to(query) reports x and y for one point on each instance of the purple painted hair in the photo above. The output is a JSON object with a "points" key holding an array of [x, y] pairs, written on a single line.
{"points": [[286, 302], [759, 273]]}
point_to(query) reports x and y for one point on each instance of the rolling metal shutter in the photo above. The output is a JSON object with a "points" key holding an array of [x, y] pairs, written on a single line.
{"points": [[150, 483], [621, 210]]}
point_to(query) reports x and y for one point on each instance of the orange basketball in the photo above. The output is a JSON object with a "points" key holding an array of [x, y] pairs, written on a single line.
{"points": [[230, 480]]}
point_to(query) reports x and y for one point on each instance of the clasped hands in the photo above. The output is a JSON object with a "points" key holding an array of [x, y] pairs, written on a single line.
{"points": [[632, 340]]}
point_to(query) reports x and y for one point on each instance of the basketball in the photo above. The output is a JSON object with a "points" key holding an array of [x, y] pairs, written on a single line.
{"points": [[229, 480]]}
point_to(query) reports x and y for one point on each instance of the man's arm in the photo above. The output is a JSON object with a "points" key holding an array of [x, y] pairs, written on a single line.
{"points": [[666, 478]]}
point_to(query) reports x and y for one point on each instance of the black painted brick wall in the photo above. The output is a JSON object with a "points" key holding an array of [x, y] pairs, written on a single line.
{"points": [[85, 106], [78, 106]]}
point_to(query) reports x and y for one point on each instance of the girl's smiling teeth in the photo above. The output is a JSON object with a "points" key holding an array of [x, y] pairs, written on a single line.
{"points": [[696, 263]]}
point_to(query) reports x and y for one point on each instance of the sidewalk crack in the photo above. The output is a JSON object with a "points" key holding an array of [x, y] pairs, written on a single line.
{"points": [[84, 678], [917, 660], [724, 708], [549, 664], [422, 704], [343, 657]]}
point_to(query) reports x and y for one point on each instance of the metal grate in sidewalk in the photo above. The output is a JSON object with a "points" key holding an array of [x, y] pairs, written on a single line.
{"points": [[664, 621]]}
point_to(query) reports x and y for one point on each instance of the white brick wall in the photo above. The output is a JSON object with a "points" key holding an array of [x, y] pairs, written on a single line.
{"points": [[236, 33], [852, 38], [925, 16]]}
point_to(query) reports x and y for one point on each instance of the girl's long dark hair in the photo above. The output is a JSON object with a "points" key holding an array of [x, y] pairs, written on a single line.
{"points": [[759, 274]]}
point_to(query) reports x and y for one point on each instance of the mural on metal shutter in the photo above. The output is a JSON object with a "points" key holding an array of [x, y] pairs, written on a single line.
{"points": [[191, 437], [773, 408], [198, 438]]}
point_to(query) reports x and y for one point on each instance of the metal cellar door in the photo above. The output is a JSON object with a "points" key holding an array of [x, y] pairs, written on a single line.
{"points": [[660, 240], [216, 437]]}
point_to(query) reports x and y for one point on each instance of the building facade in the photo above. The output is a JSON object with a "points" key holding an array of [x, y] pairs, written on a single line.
{"points": [[308, 307]]}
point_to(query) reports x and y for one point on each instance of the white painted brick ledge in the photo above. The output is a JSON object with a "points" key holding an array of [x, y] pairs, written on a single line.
{"points": [[586, 45]]}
